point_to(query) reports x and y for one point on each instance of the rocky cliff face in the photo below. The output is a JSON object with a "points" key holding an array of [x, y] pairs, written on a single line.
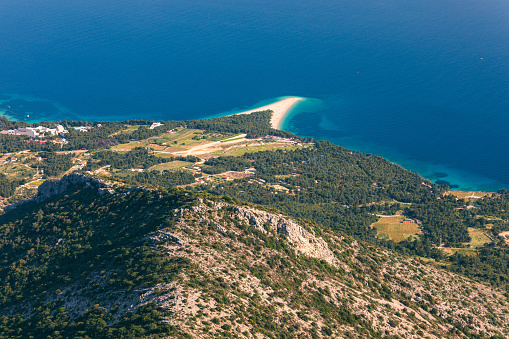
{"points": [[303, 241]]}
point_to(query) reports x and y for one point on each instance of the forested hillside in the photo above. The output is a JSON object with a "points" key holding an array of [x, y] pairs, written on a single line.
{"points": [[327, 183], [65, 260], [119, 262]]}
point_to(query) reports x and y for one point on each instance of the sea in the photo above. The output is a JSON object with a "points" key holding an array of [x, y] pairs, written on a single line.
{"points": [[422, 83]]}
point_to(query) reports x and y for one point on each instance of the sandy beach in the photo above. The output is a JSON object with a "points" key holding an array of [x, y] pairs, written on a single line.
{"points": [[279, 109]]}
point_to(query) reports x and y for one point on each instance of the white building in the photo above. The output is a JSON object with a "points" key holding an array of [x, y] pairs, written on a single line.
{"points": [[155, 124], [31, 132], [36, 131]]}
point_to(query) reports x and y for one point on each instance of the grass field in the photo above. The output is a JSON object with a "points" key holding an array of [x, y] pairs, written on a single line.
{"points": [[37, 182], [465, 251], [171, 166], [239, 150], [164, 155], [129, 146], [11, 167], [183, 141], [478, 236], [17, 170], [182, 137], [127, 130], [130, 129], [393, 228]]}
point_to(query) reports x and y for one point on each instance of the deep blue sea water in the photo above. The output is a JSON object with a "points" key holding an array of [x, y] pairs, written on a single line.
{"points": [[423, 83]]}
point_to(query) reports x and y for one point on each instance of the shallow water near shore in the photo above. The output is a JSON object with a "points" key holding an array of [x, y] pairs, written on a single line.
{"points": [[425, 85]]}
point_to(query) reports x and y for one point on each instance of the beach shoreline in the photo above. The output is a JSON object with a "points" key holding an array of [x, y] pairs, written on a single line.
{"points": [[279, 110]]}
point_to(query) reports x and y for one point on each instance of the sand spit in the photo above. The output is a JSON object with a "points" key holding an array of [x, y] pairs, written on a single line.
{"points": [[279, 109]]}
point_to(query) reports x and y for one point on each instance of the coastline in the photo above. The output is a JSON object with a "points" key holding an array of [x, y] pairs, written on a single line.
{"points": [[280, 110], [285, 108], [10, 117]]}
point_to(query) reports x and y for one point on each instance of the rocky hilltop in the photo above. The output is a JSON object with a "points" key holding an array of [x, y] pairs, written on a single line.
{"points": [[87, 260], [50, 188]]}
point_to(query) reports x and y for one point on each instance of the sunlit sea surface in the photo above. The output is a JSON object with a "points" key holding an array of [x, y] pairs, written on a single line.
{"points": [[424, 84]]}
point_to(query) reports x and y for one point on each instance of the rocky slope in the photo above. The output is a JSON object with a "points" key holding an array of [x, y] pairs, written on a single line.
{"points": [[147, 263]]}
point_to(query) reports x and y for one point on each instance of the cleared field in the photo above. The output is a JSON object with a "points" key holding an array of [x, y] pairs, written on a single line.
{"points": [[478, 236], [129, 146], [196, 142], [469, 194], [504, 236], [232, 137], [127, 130], [171, 166], [280, 188], [239, 150], [156, 147], [465, 251], [17, 170], [394, 228], [37, 182], [183, 136], [205, 145]]}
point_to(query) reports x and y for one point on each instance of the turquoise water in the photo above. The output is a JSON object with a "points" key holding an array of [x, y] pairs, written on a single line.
{"points": [[388, 138], [425, 84]]}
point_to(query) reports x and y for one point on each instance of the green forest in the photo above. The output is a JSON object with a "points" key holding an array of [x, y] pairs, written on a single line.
{"points": [[60, 243], [323, 183]]}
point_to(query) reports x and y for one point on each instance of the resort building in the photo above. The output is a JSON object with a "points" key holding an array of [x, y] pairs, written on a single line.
{"points": [[83, 128], [39, 131]]}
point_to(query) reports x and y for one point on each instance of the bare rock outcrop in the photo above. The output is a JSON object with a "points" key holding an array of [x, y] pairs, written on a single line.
{"points": [[304, 241]]}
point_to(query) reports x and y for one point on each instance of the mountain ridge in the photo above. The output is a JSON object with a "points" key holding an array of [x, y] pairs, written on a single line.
{"points": [[176, 263]]}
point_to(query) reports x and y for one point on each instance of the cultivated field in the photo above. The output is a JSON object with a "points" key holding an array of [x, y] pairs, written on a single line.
{"points": [[393, 228]]}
